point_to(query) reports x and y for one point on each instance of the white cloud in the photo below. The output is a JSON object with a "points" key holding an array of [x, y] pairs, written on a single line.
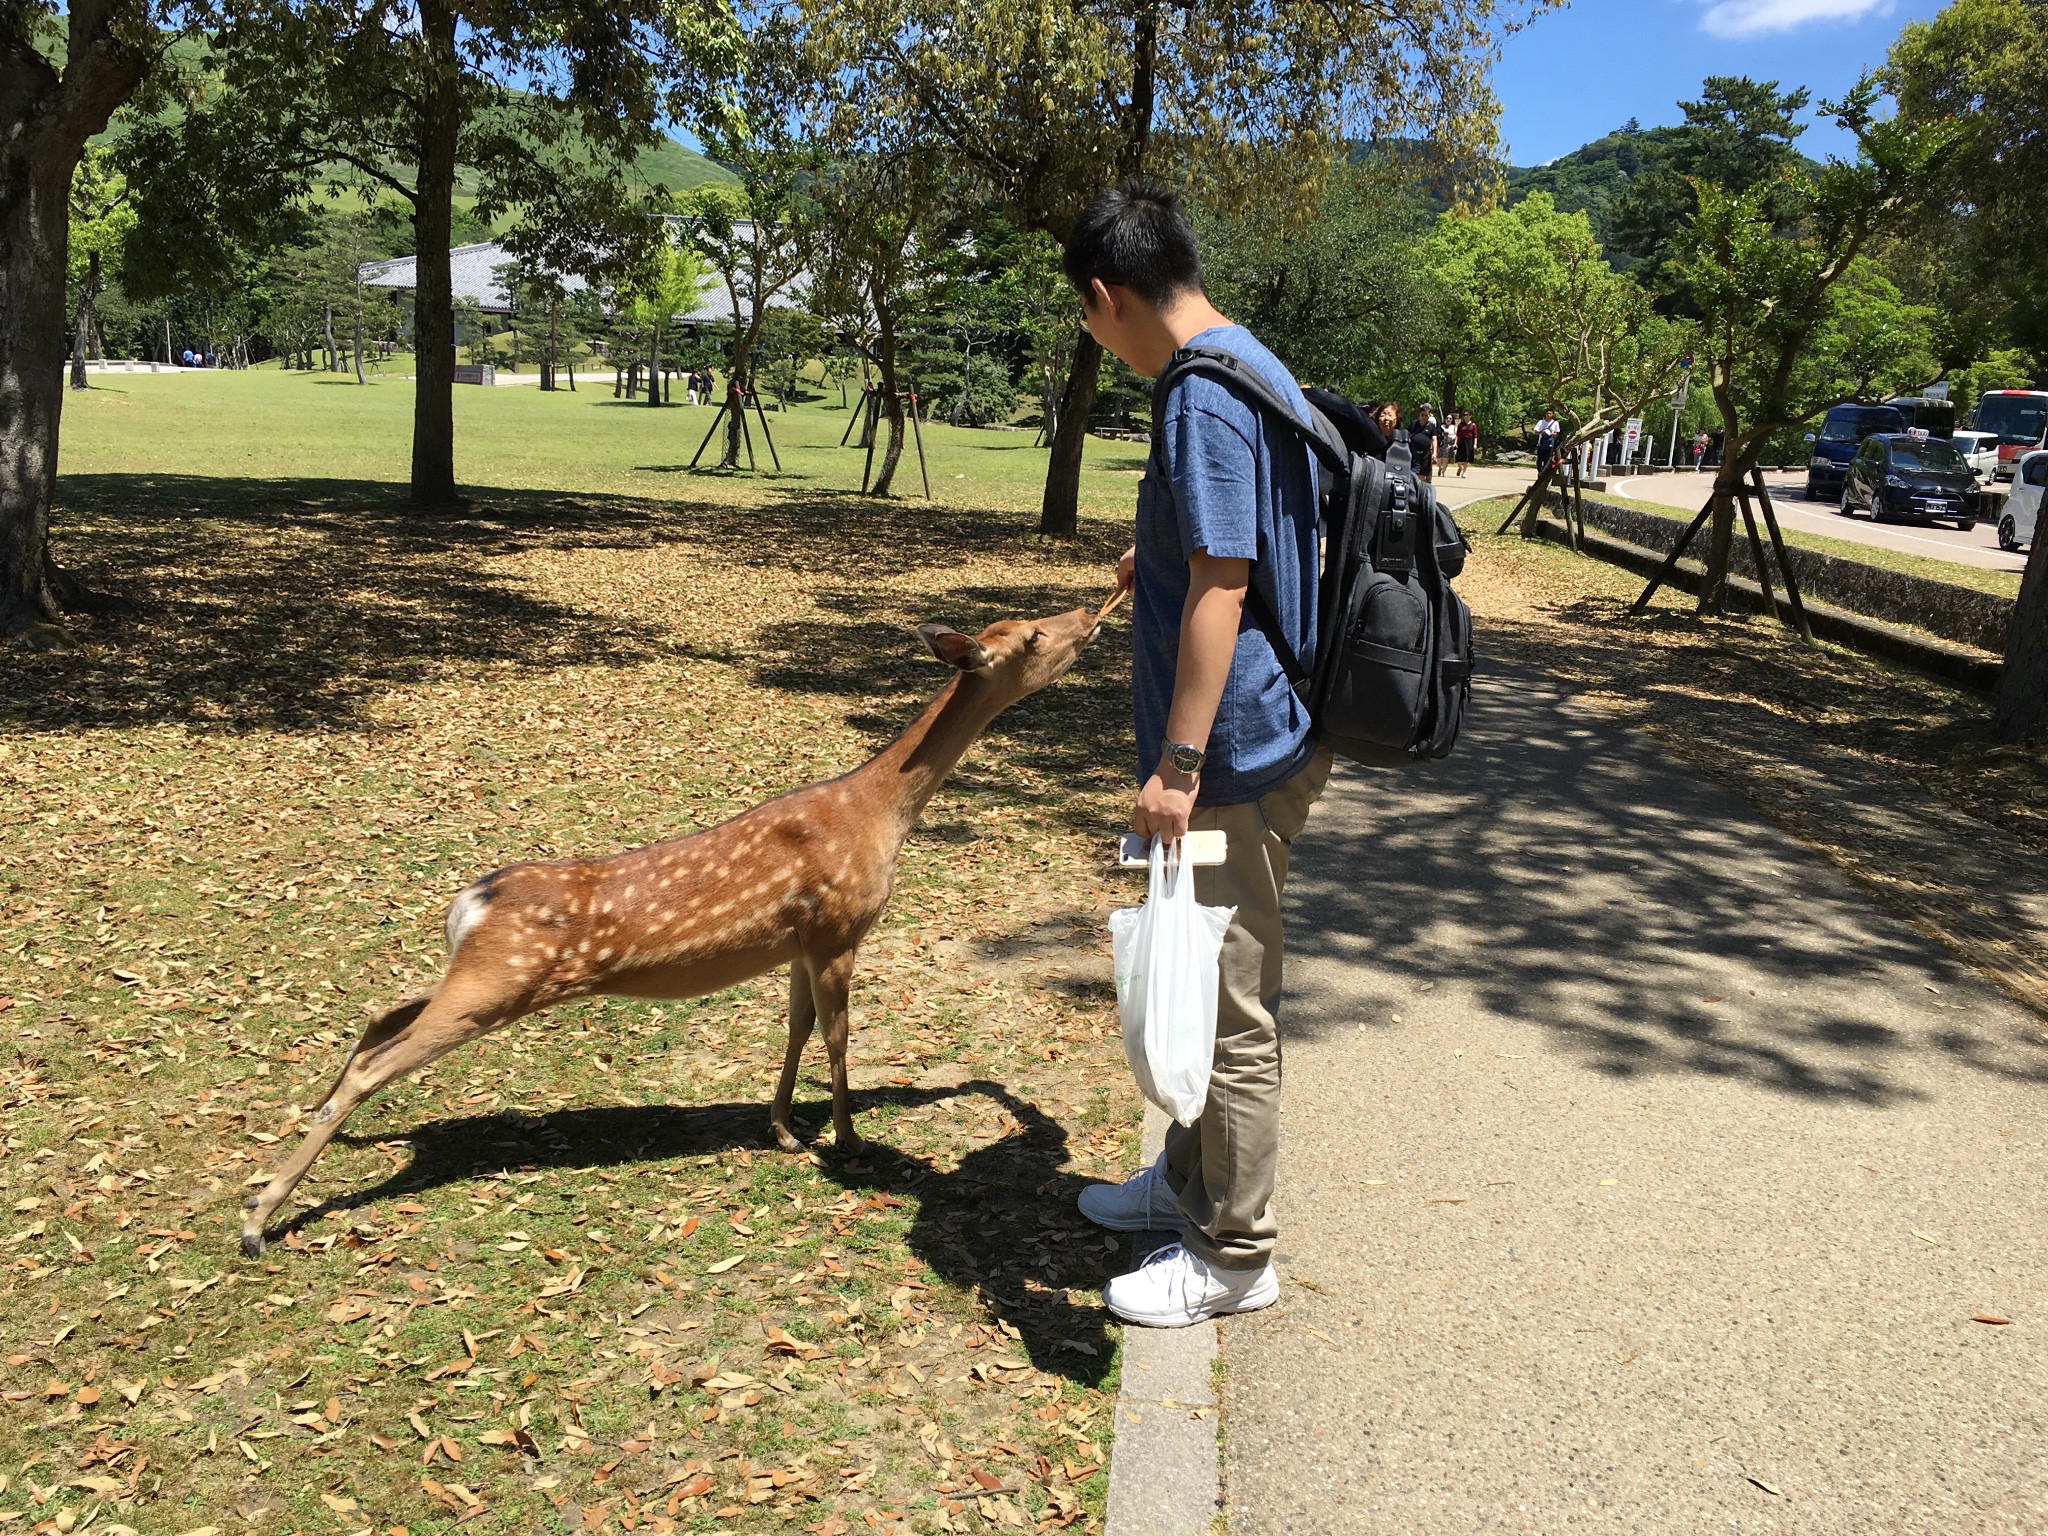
{"points": [[1755, 18]]}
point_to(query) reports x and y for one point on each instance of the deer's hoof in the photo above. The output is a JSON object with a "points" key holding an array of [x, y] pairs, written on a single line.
{"points": [[787, 1139], [252, 1243], [252, 1202]]}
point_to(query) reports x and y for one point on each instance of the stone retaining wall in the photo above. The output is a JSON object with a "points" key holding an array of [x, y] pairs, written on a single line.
{"points": [[1959, 614]]}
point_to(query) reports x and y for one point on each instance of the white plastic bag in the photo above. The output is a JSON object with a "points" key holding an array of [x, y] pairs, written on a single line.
{"points": [[1165, 954]]}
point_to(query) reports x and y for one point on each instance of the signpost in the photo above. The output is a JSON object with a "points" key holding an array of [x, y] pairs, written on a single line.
{"points": [[1631, 439], [1678, 404]]}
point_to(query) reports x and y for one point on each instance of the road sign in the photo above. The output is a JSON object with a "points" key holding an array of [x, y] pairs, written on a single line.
{"points": [[1678, 394], [1631, 437]]}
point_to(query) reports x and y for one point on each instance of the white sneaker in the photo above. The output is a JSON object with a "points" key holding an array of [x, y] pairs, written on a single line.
{"points": [[1142, 1203], [1174, 1289]]}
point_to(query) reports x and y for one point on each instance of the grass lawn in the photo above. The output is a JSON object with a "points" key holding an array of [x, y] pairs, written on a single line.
{"points": [[561, 1281], [329, 437]]}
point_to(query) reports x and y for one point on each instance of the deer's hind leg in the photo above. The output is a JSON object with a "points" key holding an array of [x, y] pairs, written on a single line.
{"points": [[398, 1041], [803, 1017], [831, 982]]}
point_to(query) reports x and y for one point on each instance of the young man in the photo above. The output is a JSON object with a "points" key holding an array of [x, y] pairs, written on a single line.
{"points": [[1223, 742]]}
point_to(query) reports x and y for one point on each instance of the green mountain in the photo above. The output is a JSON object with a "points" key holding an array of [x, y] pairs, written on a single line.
{"points": [[1593, 177], [678, 167]]}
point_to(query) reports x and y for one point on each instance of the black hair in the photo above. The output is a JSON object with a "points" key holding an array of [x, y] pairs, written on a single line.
{"points": [[1135, 234]]}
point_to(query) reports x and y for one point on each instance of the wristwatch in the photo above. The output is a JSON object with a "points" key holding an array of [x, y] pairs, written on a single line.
{"points": [[1184, 758]]}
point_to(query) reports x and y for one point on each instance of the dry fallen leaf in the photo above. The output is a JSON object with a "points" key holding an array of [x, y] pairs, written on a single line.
{"points": [[1767, 1488], [724, 1264], [1990, 1317]]}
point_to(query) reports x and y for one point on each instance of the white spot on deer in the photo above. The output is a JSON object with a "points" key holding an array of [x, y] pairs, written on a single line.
{"points": [[604, 954], [607, 906]]}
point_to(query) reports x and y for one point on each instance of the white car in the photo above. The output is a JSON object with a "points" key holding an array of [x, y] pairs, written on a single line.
{"points": [[2023, 505], [1979, 451]]}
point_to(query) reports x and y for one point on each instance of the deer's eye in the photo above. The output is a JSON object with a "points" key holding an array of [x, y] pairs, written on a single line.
{"points": [[1031, 640]]}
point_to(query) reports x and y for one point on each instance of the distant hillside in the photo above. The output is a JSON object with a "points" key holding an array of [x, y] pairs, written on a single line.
{"points": [[678, 167], [1593, 177]]}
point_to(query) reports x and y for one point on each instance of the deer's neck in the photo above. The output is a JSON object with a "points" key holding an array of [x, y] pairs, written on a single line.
{"points": [[905, 775]]}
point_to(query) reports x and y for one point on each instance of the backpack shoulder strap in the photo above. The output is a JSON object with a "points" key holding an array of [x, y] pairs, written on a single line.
{"points": [[1321, 437], [1245, 381]]}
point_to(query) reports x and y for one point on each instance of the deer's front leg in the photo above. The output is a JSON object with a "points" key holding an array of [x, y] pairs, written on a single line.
{"points": [[803, 1016], [831, 981]]}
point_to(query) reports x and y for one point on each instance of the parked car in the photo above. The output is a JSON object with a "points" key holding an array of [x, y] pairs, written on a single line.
{"points": [[1979, 450], [1909, 474], [2019, 417], [2023, 505], [1834, 445]]}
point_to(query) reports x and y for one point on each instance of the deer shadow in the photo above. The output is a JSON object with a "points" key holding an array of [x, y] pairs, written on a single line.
{"points": [[1003, 1223]]}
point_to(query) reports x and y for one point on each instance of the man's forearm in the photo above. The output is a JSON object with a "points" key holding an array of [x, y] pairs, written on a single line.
{"points": [[1208, 642]]}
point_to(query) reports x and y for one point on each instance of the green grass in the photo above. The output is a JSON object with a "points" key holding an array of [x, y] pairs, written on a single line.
{"points": [[519, 1276], [278, 426]]}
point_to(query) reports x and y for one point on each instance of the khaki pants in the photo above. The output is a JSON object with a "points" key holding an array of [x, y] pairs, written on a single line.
{"points": [[1222, 1167]]}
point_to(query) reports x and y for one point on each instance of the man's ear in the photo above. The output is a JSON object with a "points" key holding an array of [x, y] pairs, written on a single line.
{"points": [[954, 648]]}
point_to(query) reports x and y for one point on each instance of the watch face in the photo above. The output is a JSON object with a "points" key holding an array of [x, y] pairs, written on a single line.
{"points": [[1185, 758]]}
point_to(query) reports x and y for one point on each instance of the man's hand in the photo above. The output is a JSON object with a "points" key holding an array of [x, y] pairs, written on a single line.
{"points": [[1127, 569], [1164, 805]]}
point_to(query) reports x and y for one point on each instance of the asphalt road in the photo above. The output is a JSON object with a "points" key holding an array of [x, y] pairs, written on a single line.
{"points": [[1638, 1173], [1978, 547]]}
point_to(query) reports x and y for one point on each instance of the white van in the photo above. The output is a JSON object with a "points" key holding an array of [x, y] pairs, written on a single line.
{"points": [[1979, 451]]}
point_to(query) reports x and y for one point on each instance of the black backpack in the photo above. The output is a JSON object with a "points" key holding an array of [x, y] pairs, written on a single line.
{"points": [[1394, 660]]}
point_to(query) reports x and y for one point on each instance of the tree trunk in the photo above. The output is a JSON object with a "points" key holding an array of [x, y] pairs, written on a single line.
{"points": [[966, 383], [361, 377], [1728, 481], [1059, 514], [547, 369], [327, 336], [433, 411], [735, 424], [86, 322], [892, 402], [2021, 708], [654, 368], [33, 226]]}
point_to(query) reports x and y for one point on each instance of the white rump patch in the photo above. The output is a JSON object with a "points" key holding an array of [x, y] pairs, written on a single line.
{"points": [[464, 913]]}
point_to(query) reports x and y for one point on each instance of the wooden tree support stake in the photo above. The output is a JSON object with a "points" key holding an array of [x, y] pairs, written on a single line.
{"points": [[1763, 497], [715, 420], [1671, 560], [874, 422], [1756, 551], [772, 454], [918, 433]]}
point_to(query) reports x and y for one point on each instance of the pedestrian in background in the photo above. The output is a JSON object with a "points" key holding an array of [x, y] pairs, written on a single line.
{"points": [[1547, 432], [1425, 441], [1468, 441]]}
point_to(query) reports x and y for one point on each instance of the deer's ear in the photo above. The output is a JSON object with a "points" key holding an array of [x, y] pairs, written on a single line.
{"points": [[953, 648]]}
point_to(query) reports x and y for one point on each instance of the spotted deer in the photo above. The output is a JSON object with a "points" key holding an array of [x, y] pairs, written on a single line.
{"points": [[797, 882]]}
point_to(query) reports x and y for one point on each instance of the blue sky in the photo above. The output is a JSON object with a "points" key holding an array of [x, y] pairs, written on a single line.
{"points": [[1575, 74]]}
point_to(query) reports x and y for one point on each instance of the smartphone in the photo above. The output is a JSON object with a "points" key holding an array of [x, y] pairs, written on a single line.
{"points": [[1135, 852]]}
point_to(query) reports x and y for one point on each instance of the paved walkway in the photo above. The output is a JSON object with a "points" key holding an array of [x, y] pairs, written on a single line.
{"points": [[1638, 1174]]}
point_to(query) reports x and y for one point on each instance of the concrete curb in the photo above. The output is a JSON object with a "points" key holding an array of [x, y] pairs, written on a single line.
{"points": [[1163, 1477], [1959, 664]]}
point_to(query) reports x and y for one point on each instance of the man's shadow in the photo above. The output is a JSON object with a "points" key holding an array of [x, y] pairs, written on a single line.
{"points": [[1003, 1223]]}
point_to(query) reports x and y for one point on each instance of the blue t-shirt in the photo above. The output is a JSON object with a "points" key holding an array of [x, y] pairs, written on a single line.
{"points": [[1243, 488]]}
